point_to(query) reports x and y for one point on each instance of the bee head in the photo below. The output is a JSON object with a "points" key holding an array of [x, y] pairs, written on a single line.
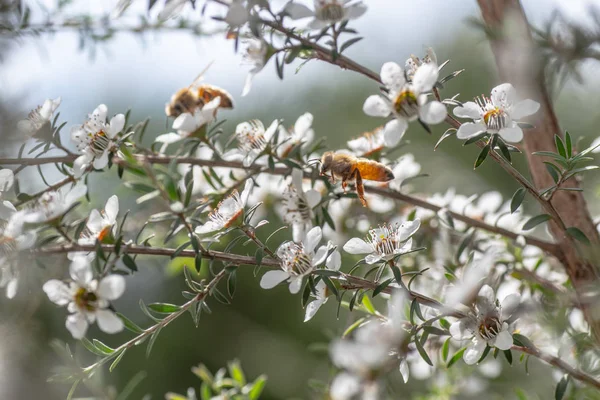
{"points": [[326, 161]]}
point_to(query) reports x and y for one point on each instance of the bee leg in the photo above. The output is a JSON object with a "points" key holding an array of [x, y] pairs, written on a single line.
{"points": [[360, 189]]}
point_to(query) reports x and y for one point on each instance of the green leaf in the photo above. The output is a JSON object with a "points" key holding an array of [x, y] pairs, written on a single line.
{"points": [[352, 327], [577, 234], [569, 144], [235, 370], [447, 134], [117, 360], [535, 221], [381, 287], [422, 351], [397, 274], [102, 347], [561, 388], [92, 348], [504, 150], [435, 331], [331, 286], [259, 255], [508, 355], [326, 272], [523, 341], [486, 351], [446, 349], [366, 302], [164, 308], [517, 199], [257, 387], [231, 284], [560, 146], [350, 43], [553, 170], [220, 297], [129, 262], [129, 324], [456, 357], [152, 341], [482, 156]]}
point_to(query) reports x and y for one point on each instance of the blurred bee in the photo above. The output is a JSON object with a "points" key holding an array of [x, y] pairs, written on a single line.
{"points": [[188, 99], [347, 167]]}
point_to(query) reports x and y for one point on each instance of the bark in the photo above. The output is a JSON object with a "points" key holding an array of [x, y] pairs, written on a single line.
{"points": [[518, 62]]}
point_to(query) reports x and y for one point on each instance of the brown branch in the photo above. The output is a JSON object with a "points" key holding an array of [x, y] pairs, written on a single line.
{"points": [[519, 62]]}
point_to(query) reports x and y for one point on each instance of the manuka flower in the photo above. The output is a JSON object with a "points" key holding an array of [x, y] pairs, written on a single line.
{"points": [[487, 325], [87, 299], [301, 133], [186, 124], [495, 114], [256, 55], [13, 239], [38, 117], [227, 212], [252, 140], [53, 205], [100, 226], [406, 101], [299, 260], [7, 179], [95, 139], [298, 206], [326, 12], [384, 242], [413, 62]]}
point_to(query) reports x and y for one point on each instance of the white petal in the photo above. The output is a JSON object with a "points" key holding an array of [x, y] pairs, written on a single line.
{"points": [[334, 261], [376, 106], [273, 278], [408, 228], [80, 164], [295, 284], [504, 340], [432, 113], [117, 123], [95, 222], [208, 227], [373, 258], [297, 175], [303, 124], [404, 370], [596, 145], [320, 256], [81, 271], [425, 77], [470, 129], [6, 209], [237, 14], [77, 325], [318, 24], [185, 122], [392, 75], [313, 197], [510, 304], [298, 11], [7, 178], [299, 231], [101, 162], [460, 329], [11, 288], [171, 9], [248, 84], [313, 237], [312, 308], [524, 108], [111, 209], [355, 11], [511, 135], [474, 351], [357, 246], [503, 95], [246, 192], [468, 110], [100, 112], [109, 322], [394, 131], [486, 299], [111, 287], [169, 138], [26, 126]]}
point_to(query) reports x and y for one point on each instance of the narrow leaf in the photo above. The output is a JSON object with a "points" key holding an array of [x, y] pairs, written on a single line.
{"points": [[517, 199], [535, 221]]}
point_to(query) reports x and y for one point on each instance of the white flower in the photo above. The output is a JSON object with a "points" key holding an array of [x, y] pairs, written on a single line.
{"points": [[12, 240], [368, 143], [52, 205], [256, 55], [94, 139], [495, 114], [7, 179], [38, 117], [186, 124], [227, 212], [252, 140], [405, 168], [333, 262], [301, 133], [384, 242], [326, 12], [413, 62], [101, 226], [87, 299], [298, 260], [298, 206], [406, 101], [488, 325]]}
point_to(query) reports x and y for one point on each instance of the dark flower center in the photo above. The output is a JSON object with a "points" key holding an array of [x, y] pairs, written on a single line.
{"points": [[85, 300], [406, 104]]}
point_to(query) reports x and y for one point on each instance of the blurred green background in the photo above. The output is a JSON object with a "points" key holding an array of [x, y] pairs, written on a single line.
{"points": [[263, 329]]}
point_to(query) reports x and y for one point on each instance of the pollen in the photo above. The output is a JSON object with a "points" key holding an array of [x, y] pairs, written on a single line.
{"points": [[490, 327], [85, 300], [406, 104]]}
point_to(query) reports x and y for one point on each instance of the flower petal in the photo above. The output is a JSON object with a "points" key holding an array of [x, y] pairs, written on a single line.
{"points": [[460, 329], [524, 108], [392, 75], [404, 370], [81, 271], [100, 113], [470, 129], [425, 77], [7, 178], [313, 237], [111, 287], [273, 278], [357, 246], [512, 135], [504, 340], [111, 209], [117, 123], [298, 11], [373, 258], [57, 291], [355, 10], [320, 255], [295, 284], [408, 228], [486, 299], [504, 95], [468, 110], [394, 131], [95, 222], [313, 197], [303, 124], [101, 162], [432, 113], [77, 324], [474, 351], [109, 322], [312, 308], [376, 106], [510, 304], [334, 261]]}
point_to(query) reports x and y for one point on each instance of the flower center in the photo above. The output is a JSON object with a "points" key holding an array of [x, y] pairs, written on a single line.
{"points": [[385, 239], [490, 327], [99, 142], [406, 104], [295, 207], [330, 12], [104, 233], [294, 260], [85, 300], [8, 245], [496, 118], [252, 138], [227, 211]]}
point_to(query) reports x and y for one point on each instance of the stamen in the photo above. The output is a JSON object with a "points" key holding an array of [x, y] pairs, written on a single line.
{"points": [[294, 260], [330, 12], [490, 328], [406, 104]]}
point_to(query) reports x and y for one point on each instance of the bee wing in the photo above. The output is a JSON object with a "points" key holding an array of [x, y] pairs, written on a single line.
{"points": [[196, 83], [373, 170]]}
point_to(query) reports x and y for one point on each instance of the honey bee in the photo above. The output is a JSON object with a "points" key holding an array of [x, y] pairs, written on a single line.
{"points": [[196, 95], [347, 167]]}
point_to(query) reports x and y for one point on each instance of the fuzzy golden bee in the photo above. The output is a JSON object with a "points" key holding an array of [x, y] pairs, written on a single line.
{"points": [[347, 167], [188, 99]]}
